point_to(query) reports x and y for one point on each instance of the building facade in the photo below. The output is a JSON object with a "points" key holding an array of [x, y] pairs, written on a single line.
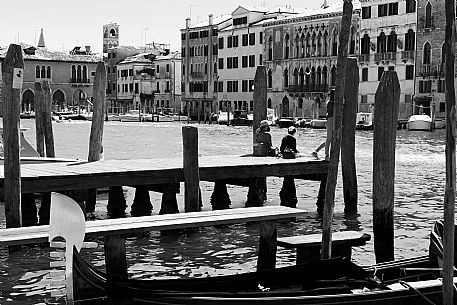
{"points": [[300, 54], [240, 52], [388, 42], [199, 51], [71, 77]]}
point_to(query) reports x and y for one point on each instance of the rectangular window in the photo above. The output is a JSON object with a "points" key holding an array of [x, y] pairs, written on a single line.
{"points": [[130, 72], [382, 10], [260, 59], [157, 69], [235, 86], [251, 85], [380, 71], [235, 62], [168, 67], [221, 42], [393, 8], [244, 85], [261, 38], [229, 86], [251, 60], [441, 86], [131, 87], [244, 62], [244, 39], [221, 63], [220, 87], [409, 72], [229, 63], [235, 41], [364, 99], [410, 6], [252, 39], [136, 88], [366, 12], [443, 107], [364, 74], [183, 52], [229, 41], [408, 98]]}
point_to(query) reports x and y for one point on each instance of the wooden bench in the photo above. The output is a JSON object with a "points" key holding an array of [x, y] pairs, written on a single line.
{"points": [[115, 231], [309, 246]]}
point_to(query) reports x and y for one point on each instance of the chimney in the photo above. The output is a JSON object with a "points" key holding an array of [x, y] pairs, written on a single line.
{"points": [[87, 49], [210, 19], [187, 23]]}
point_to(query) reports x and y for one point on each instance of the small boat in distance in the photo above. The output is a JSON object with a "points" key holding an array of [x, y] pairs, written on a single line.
{"points": [[420, 122], [222, 117], [132, 116], [286, 122], [364, 121], [319, 123]]}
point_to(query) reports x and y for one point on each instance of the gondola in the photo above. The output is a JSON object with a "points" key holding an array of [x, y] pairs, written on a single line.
{"points": [[333, 281]]}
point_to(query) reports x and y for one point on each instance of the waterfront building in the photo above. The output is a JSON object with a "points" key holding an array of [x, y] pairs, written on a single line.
{"points": [[240, 52], [430, 82], [70, 74], [300, 54], [149, 82], [199, 51], [387, 42], [120, 102]]}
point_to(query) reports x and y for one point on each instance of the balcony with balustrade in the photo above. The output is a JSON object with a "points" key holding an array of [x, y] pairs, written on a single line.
{"points": [[387, 56]]}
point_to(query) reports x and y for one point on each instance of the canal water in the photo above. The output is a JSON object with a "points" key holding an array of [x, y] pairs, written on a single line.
{"points": [[419, 193]]}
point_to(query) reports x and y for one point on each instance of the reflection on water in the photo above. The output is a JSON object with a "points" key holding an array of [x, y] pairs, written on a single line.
{"points": [[419, 192]]}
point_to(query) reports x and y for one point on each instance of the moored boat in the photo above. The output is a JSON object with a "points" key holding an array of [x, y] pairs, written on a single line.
{"points": [[286, 122], [132, 116], [420, 122], [318, 123], [364, 121]]}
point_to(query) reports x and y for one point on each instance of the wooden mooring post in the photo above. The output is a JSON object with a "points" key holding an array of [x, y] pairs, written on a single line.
{"points": [[449, 195], [258, 187], [348, 166], [96, 130], [191, 169], [384, 137], [336, 139], [13, 73]]}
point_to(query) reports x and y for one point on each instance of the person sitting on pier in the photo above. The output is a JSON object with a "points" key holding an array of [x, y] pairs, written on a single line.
{"points": [[263, 140], [288, 147]]}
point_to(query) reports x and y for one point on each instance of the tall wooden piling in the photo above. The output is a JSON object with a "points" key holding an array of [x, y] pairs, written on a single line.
{"points": [[384, 136], [348, 166], [13, 72], [449, 197], [336, 139], [39, 132], [96, 131], [47, 119], [191, 169]]}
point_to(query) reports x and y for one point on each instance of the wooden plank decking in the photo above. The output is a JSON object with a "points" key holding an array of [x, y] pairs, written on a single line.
{"points": [[72, 176]]}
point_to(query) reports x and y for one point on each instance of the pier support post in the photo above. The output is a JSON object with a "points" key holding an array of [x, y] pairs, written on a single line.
{"points": [[169, 203], [13, 73], [29, 210], [141, 205], [116, 202], [384, 137], [348, 166], [267, 245], [96, 131], [191, 169], [288, 193], [220, 198], [45, 208], [256, 193], [115, 257], [321, 196]]}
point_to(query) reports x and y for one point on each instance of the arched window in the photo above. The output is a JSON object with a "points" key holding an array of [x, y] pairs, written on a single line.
{"points": [[73, 73], [295, 77], [308, 45], [324, 77], [313, 78], [206, 68], [302, 46], [325, 46], [48, 72], [269, 103], [286, 78], [392, 42], [352, 40], [84, 74], [215, 67], [313, 45], [427, 54], [301, 77], [37, 72], [319, 44], [270, 48], [382, 48], [307, 77], [78, 74], [365, 49], [335, 44], [286, 46], [410, 38], [428, 15], [318, 76], [43, 72], [297, 46], [333, 76], [270, 79]]}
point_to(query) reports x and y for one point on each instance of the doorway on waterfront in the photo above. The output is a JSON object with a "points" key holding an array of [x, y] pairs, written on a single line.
{"points": [[58, 99], [285, 107]]}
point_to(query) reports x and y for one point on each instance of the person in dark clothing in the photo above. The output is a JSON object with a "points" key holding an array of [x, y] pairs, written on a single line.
{"points": [[289, 140]]}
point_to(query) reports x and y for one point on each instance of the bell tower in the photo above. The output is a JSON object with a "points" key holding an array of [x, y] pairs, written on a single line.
{"points": [[110, 36]]}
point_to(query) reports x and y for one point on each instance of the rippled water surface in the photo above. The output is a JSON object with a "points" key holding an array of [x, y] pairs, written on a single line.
{"points": [[419, 193]]}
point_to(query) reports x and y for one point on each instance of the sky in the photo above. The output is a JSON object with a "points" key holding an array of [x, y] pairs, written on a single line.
{"points": [[67, 24]]}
